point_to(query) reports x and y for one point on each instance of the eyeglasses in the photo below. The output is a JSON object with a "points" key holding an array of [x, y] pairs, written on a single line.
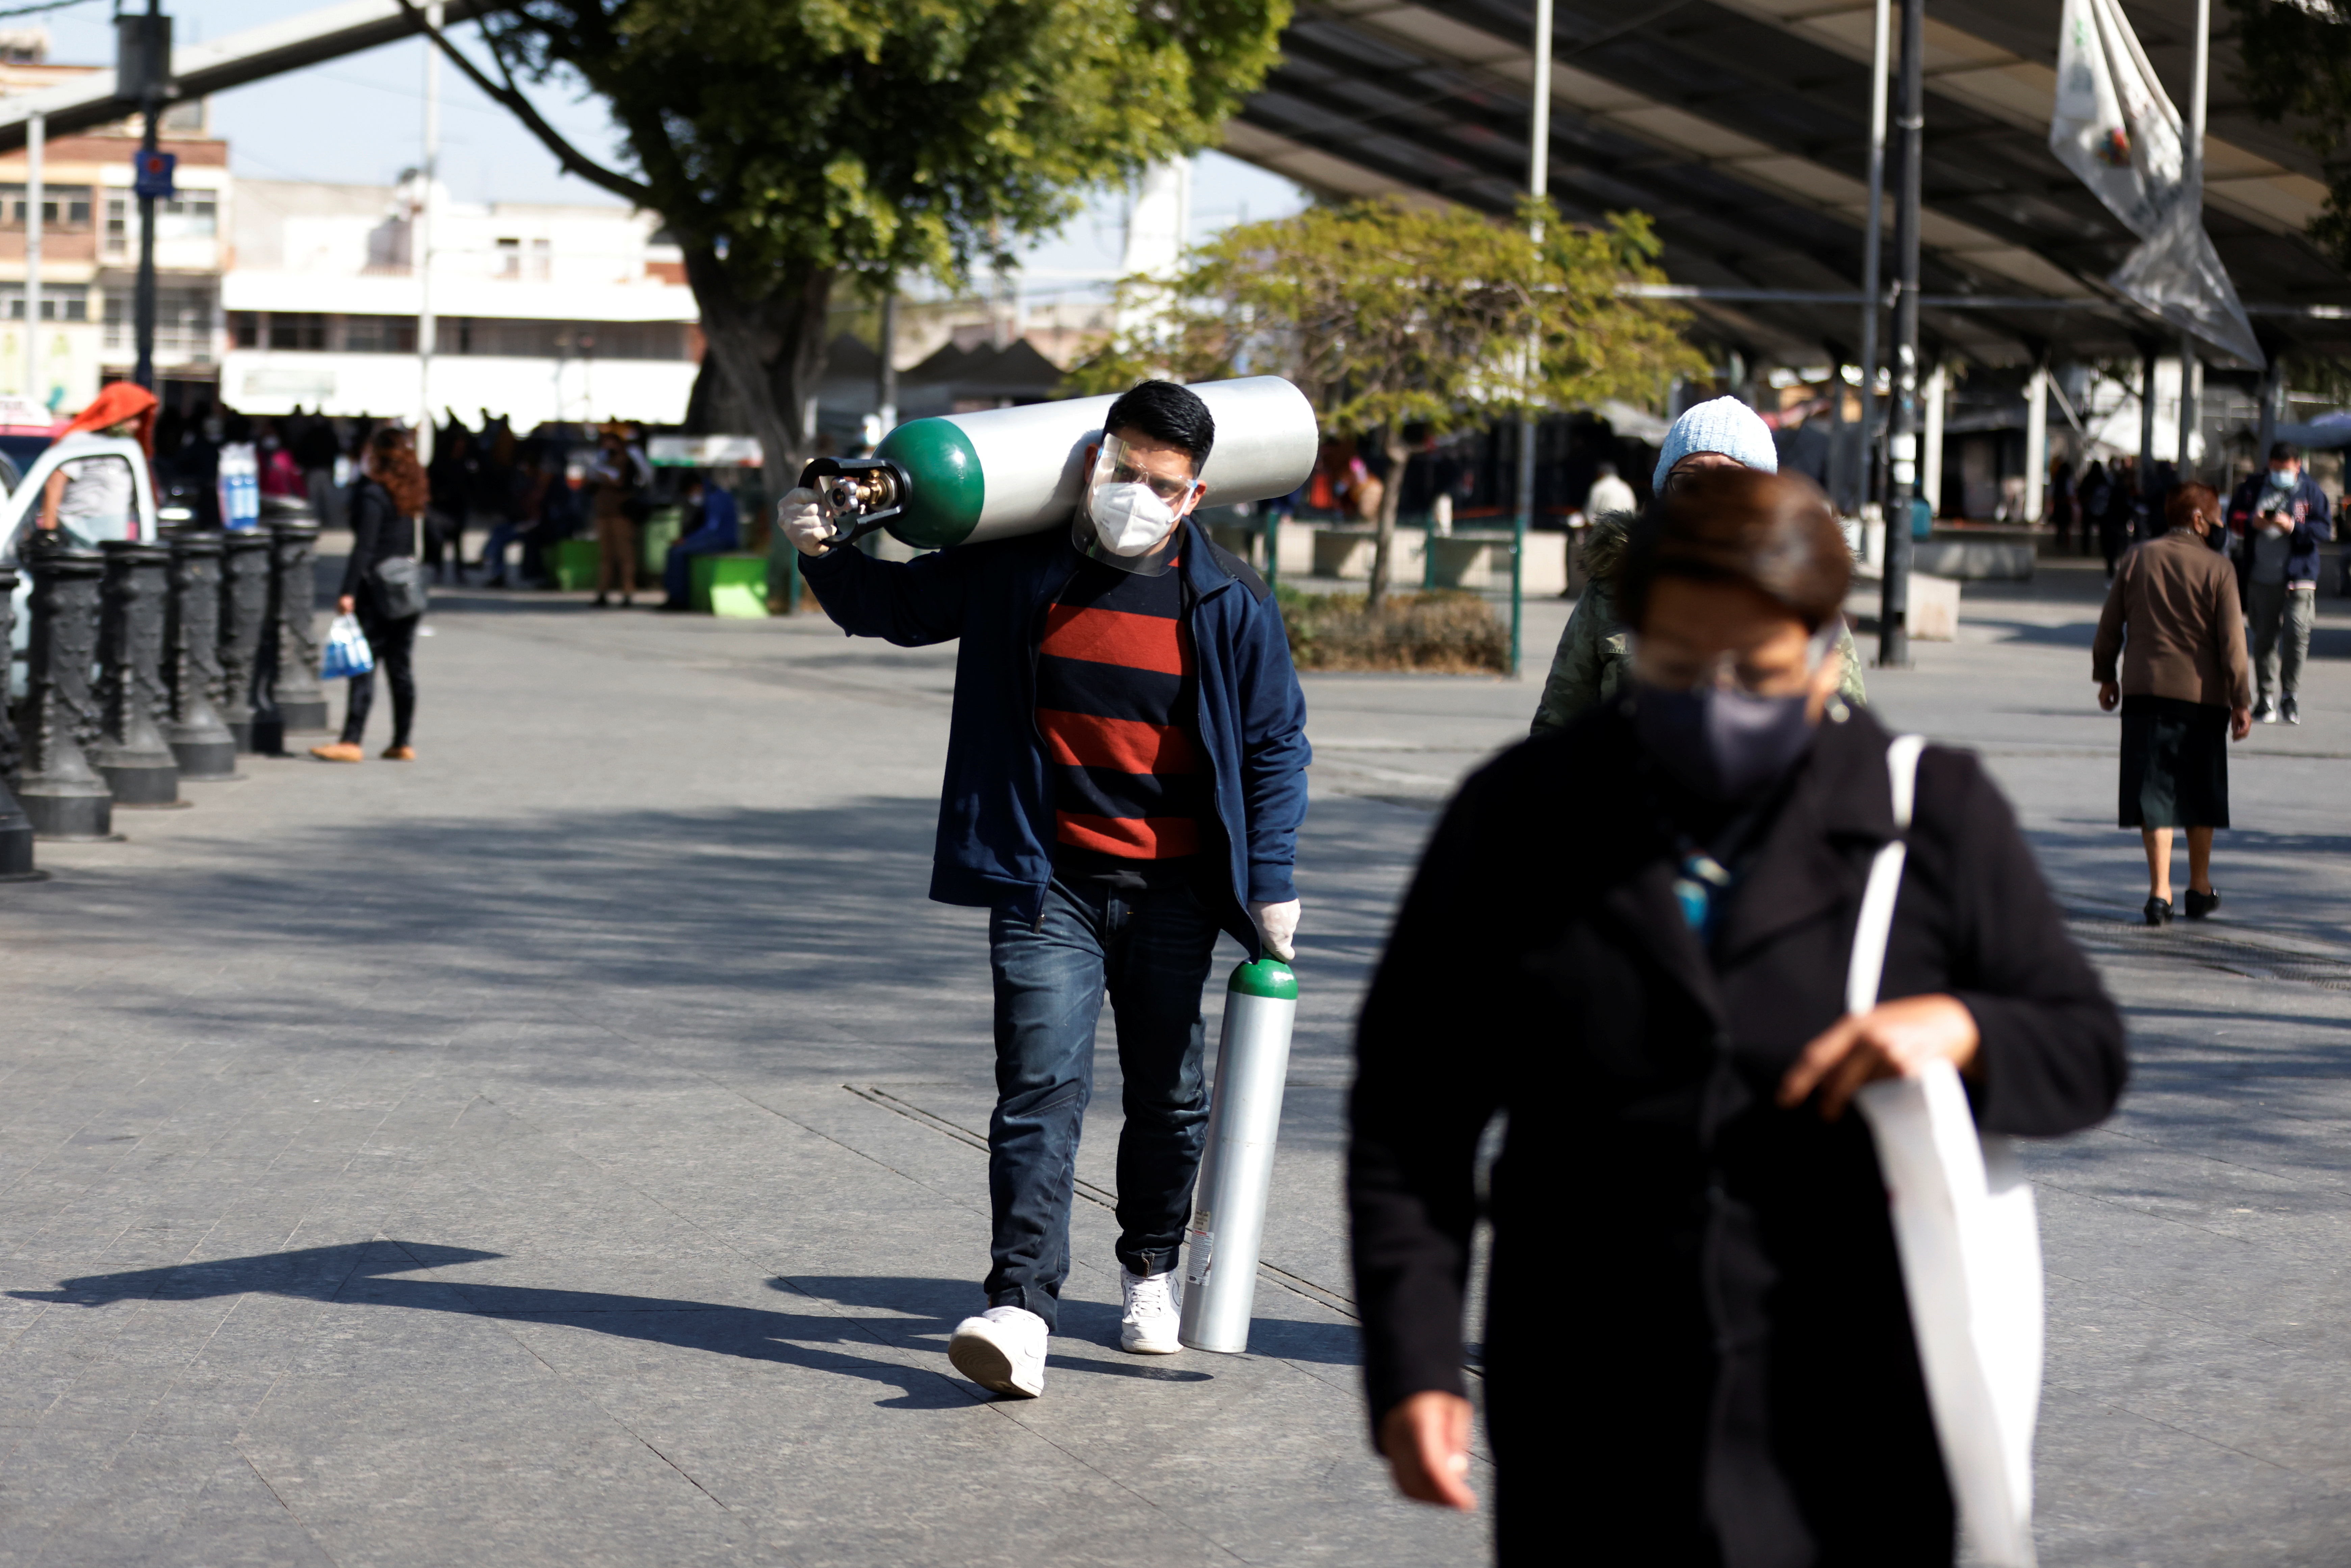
{"points": [[1728, 671]]}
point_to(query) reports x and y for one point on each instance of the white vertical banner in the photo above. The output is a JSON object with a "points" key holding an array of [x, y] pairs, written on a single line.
{"points": [[2120, 133], [2115, 127]]}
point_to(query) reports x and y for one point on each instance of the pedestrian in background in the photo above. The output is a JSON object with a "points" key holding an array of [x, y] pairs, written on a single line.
{"points": [[712, 527], [1595, 651], [1698, 1347], [615, 476], [1609, 496], [2182, 686], [386, 505], [2116, 517], [2278, 520], [2064, 504]]}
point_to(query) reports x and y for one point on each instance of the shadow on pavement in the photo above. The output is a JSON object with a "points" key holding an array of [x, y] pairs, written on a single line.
{"points": [[356, 1273]]}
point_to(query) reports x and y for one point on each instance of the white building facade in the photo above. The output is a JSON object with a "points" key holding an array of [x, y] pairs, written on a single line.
{"points": [[543, 313]]}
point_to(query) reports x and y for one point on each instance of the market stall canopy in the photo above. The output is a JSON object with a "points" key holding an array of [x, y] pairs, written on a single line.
{"points": [[1742, 128]]}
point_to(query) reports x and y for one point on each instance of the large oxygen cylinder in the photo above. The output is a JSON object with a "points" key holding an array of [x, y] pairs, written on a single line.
{"points": [[1237, 1170], [960, 478]]}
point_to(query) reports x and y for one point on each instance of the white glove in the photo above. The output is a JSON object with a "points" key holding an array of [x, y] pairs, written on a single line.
{"points": [[1278, 924], [803, 523]]}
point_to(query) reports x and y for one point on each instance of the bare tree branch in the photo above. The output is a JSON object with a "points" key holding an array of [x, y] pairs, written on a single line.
{"points": [[510, 96]]}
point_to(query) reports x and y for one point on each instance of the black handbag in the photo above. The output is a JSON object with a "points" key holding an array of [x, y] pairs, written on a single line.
{"points": [[400, 592]]}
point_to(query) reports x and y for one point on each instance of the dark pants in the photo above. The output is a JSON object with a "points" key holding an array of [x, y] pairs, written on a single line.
{"points": [[1151, 950], [393, 641]]}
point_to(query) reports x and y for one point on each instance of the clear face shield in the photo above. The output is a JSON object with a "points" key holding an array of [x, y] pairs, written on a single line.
{"points": [[1134, 499]]}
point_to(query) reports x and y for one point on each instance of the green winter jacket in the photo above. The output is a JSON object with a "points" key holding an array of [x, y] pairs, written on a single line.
{"points": [[1595, 658]]}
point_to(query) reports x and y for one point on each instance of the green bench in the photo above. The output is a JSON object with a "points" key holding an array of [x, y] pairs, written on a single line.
{"points": [[733, 587], [572, 564]]}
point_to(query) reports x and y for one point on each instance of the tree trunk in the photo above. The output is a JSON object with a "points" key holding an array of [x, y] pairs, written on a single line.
{"points": [[1391, 500], [769, 354]]}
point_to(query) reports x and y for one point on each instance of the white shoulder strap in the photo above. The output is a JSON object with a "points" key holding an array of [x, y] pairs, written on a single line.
{"points": [[1877, 923]]}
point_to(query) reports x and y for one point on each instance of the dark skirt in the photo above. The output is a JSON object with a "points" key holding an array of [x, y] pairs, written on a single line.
{"points": [[2175, 764]]}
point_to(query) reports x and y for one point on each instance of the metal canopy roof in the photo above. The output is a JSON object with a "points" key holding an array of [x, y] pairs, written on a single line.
{"points": [[1741, 127]]}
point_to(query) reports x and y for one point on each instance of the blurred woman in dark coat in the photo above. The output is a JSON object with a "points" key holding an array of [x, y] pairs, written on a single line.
{"points": [[1698, 1348]]}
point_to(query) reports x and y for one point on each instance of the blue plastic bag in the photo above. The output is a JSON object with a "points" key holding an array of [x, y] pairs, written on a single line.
{"points": [[348, 653]]}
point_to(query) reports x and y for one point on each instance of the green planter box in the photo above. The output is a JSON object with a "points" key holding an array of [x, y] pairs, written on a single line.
{"points": [[573, 563], [655, 535], [731, 586]]}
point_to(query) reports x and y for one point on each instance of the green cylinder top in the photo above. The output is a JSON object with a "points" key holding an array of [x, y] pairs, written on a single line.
{"points": [[1269, 978], [949, 486]]}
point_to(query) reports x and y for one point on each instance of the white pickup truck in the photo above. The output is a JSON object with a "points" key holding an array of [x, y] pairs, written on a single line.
{"points": [[20, 513]]}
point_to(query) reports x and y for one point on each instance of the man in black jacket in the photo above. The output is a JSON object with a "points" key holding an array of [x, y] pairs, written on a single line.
{"points": [[2277, 520]]}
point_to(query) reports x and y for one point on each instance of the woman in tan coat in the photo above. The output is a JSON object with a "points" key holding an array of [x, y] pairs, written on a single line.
{"points": [[2184, 682]]}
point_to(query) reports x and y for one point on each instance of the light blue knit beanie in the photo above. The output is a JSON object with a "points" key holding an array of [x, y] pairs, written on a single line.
{"points": [[1726, 425]]}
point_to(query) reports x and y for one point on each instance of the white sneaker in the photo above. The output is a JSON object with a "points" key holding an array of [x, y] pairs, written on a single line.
{"points": [[1153, 1313], [1002, 1349]]}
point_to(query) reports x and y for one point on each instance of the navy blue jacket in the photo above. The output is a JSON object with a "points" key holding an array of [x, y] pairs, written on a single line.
{"points": [[2308, 503], [996, 807]]}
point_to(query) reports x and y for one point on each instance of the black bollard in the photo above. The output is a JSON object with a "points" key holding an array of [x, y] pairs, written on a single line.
{"points": [[201, 743], [244, 617], [61, 793], [131, 704], [15, 828], [301, 700]]}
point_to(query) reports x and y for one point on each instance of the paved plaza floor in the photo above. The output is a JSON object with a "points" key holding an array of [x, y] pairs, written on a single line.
{"points": [[568, 1149]]}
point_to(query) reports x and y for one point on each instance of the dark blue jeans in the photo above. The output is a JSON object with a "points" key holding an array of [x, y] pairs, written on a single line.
{"points": [[1150, 951]]}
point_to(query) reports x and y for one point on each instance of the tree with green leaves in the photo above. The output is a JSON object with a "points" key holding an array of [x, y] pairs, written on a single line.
{"points": [[1399, 317], [2295, 65], [791, 146]]}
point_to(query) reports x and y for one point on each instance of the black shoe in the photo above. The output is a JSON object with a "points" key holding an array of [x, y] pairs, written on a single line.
{"points": [[2158, 912], [601, 601], [2201, 905], [2289, 709]]}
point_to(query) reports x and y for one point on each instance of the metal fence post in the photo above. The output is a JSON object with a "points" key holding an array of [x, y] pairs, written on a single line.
{"points": [[201, 742], [62, 794], [131, 704], [244, 617]]}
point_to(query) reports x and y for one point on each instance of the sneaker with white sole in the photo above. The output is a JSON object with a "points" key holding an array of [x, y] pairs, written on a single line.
{"points": [[1002, 1349], [1155, 1311]]}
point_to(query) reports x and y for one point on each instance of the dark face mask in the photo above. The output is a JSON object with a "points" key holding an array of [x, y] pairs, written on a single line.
{"points": [[1721, 744]]}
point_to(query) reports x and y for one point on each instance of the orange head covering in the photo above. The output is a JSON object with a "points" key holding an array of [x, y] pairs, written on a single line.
{"points": [[120, 400]]}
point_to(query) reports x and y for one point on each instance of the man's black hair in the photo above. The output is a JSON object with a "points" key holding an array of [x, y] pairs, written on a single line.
{"points": [[1164, 411], [2280, 451]]}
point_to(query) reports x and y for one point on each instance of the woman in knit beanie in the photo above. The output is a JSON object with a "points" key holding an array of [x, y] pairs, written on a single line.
{"points": [[1593, 653]]}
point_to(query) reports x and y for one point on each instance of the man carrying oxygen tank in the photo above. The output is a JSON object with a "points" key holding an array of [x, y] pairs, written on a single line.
{"points": [[1125, 777]]}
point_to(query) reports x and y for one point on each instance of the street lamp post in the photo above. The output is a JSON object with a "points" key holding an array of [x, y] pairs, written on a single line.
{"points": [[1902, 427], [1538, 186]]}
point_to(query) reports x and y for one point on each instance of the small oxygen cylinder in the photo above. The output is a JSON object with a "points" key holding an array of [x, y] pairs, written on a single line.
{"points": [[961, 478], [1237, 1170]]}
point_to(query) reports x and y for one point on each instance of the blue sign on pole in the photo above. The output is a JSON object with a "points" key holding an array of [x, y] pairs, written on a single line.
{"points": [[152, 172]]}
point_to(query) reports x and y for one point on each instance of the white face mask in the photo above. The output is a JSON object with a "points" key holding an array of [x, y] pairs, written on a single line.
{"points": [[1129, 518]]}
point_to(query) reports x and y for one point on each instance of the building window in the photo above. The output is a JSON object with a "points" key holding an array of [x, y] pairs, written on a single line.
{"points": [[63, 207], [118, 224], [244, 328], [191, 214], [380, 334], [56, 305], [509, 258], [296, 330], [542, 259], [185, 320]]}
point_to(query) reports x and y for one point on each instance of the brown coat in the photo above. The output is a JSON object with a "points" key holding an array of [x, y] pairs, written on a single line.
{"points": [[2178, 599]]}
